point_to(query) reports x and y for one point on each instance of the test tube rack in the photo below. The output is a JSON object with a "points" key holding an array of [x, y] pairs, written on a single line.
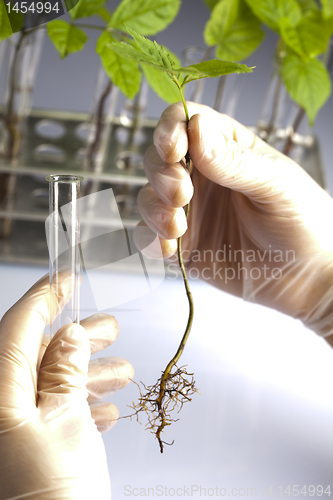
{"points": [[55, 142]]}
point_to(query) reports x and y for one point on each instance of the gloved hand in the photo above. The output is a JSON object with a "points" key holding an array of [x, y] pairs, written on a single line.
{"points": [[50, 443], [259, 227]]}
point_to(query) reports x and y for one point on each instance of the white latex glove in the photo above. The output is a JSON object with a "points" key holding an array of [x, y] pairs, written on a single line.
{"points": [[50, 444], [249, 198]]}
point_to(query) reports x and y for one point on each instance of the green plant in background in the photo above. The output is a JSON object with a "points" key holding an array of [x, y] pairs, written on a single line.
{"points": [[147, 17], [12, 114], [175, 386], [304, 30]]}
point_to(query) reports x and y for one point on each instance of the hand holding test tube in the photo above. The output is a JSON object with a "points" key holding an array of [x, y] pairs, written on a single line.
{"points": [[51, 413]]}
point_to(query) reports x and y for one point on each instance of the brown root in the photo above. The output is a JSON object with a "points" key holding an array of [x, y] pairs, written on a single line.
{"points": [[159, 403]]}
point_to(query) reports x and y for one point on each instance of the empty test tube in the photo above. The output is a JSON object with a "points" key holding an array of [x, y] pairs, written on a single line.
{"points": [[63, 233]]}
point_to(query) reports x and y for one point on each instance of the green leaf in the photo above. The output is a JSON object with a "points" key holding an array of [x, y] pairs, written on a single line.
{"points": [[16, 20], [86, 8], [327, 7], [234, 29], [266, 11], [160, 82], [307, 5], [241, 42], [102, 40], [271, 11], [70, 4], [124, 72], [307, 82], [157, 52], [128, 51], [5, 27], [289, 9], [222, 18], [309, 37], [145, 51], [104, 14], [329, 24], [9, 23], [211, 3], [212, 69], [65, 37], [147, 17]]}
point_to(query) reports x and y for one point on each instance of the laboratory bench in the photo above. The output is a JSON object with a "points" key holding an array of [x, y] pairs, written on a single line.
{"points": [[263, 418]]}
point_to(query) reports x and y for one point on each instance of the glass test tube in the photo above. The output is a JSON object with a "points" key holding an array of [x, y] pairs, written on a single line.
{"points": [[63, 241]]}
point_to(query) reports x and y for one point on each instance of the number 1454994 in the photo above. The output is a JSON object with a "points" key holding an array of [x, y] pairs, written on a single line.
{"points": [[296, 490], [34, 7]]}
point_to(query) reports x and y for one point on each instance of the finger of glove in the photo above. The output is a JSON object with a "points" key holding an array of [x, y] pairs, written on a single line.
{"points": [[107, 376], [151, 245], [171, 181], [166, 221], [104, 414], [43, 347], [102, 330], [63, 372], [21, 334], [172, 138], [170, 135]]}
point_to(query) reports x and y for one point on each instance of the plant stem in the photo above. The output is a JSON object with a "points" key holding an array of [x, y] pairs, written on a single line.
{"points": [[92, 148], [11, 122], [99, 124], [182, 344], [182, 98], [269, 128], [10, 119], [296, 124], [275, 108]]}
